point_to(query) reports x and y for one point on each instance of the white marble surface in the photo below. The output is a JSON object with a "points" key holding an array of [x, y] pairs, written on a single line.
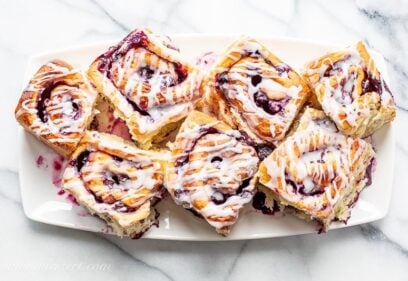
{"points": [[377, 251]]}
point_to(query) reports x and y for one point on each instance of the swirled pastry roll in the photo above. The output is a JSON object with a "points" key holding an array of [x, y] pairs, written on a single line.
{"points": [[253, 91], [56, 106], [318, 173], [351, 90], [149, 84], [116, 181], [211, 171]]}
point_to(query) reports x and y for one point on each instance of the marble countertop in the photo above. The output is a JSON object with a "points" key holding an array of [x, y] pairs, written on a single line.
{"points": [[376, 251]]}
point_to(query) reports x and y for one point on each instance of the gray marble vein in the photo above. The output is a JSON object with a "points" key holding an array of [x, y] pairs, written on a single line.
{"points": [[235, 260], [109, 16], [376, 235]]}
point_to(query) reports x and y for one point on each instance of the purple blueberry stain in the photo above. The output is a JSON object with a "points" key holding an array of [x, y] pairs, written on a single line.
{"points": [[145, 72], [43, 97], [216, 159], [263, 151], [166, 80], [81, 160], [282, 68], [218, 198], [270, 106], [256, 79], [258, 203]]}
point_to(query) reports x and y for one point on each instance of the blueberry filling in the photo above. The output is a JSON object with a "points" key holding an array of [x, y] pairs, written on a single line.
{"points": [[122, 208], [178, 193], [221, 80], [335, 67], [252, 54], [81, 160], [167, 81], [270, 106], [263, 151], [371, 84], [116, 158], [145, 72], [302, 190], [314, 191], [256, 79], [369, 172], [347, 94], [135, 39], [218, 198], [109, 182], [117, 179], [77, 113], [243, 185], [43, 96], [216, 159], [258, 203], [182, 160], [282, 68]]}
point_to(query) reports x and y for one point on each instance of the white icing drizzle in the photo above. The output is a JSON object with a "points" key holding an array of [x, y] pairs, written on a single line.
{"points": [[349, 71], [216, 167]]}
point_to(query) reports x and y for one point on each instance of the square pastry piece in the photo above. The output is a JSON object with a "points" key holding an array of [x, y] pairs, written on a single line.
{"points": [[151, 87], [211, 171], [317, 173], [253, 91], [56, 106], [116, 181], [351, 90]]}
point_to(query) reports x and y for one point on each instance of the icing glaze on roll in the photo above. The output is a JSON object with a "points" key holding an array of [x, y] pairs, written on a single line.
{"points": [[213, 170]]}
